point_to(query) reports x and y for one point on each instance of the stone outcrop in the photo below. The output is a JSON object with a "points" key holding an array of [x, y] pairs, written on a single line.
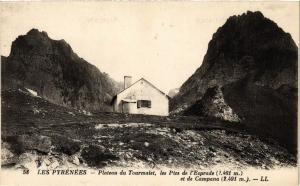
{"points": [[213, 104]]}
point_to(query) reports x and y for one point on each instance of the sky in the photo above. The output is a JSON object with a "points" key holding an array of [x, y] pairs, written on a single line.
{"points": [[164, 42]]}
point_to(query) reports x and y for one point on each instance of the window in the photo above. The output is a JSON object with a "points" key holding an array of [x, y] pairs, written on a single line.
{"points": [[143, 104]]}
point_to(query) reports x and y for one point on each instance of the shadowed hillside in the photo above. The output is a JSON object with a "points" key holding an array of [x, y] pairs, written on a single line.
{"points": [[56, 73], [40, 134], [248, 43], [249, 76]]}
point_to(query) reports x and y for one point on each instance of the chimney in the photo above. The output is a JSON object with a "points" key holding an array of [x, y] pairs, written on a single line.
{"points": [[127, 81]]}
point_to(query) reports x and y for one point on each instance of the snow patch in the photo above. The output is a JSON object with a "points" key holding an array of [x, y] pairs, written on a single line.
{"points": [[71, 113], [32, 92], [85, 112], [36, 111], [116, 125]]}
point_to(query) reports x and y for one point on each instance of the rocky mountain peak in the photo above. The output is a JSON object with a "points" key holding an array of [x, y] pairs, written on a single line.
{"points": [[254, 63], [56, 73], [256, 22], [37, 42], [247, 43], [35, 32]]}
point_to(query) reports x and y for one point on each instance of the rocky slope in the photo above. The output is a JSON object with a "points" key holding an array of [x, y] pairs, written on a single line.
{"points": [[38, 134], [265, 111], [253, 63], [56, 73], [248, 43]]}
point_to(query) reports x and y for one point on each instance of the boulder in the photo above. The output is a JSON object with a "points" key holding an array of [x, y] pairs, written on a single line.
{"points": [[97, 156], [23, 143], [65, 145], [27, 160], [213, 104], [8, 158]]}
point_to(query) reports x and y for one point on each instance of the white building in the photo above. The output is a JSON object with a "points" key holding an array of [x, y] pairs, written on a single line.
{"points": [[141, 97]]}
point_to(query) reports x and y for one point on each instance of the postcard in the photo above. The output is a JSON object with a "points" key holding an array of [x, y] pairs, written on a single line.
{"points": [[149, 93]]}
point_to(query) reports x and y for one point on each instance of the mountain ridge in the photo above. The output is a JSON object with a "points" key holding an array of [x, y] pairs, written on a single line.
{"points": [[244, 44], [252, 65], [56, 73]]}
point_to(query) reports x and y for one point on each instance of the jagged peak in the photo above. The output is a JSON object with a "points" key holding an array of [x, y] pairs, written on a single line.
{"points": [[252, 17], [248, 14], [35, 31], [251, 22], [254, 13], [39, 39], [249, 42]]}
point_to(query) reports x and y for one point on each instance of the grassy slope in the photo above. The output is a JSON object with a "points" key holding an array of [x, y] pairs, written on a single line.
{"points": [[109, 139]]}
